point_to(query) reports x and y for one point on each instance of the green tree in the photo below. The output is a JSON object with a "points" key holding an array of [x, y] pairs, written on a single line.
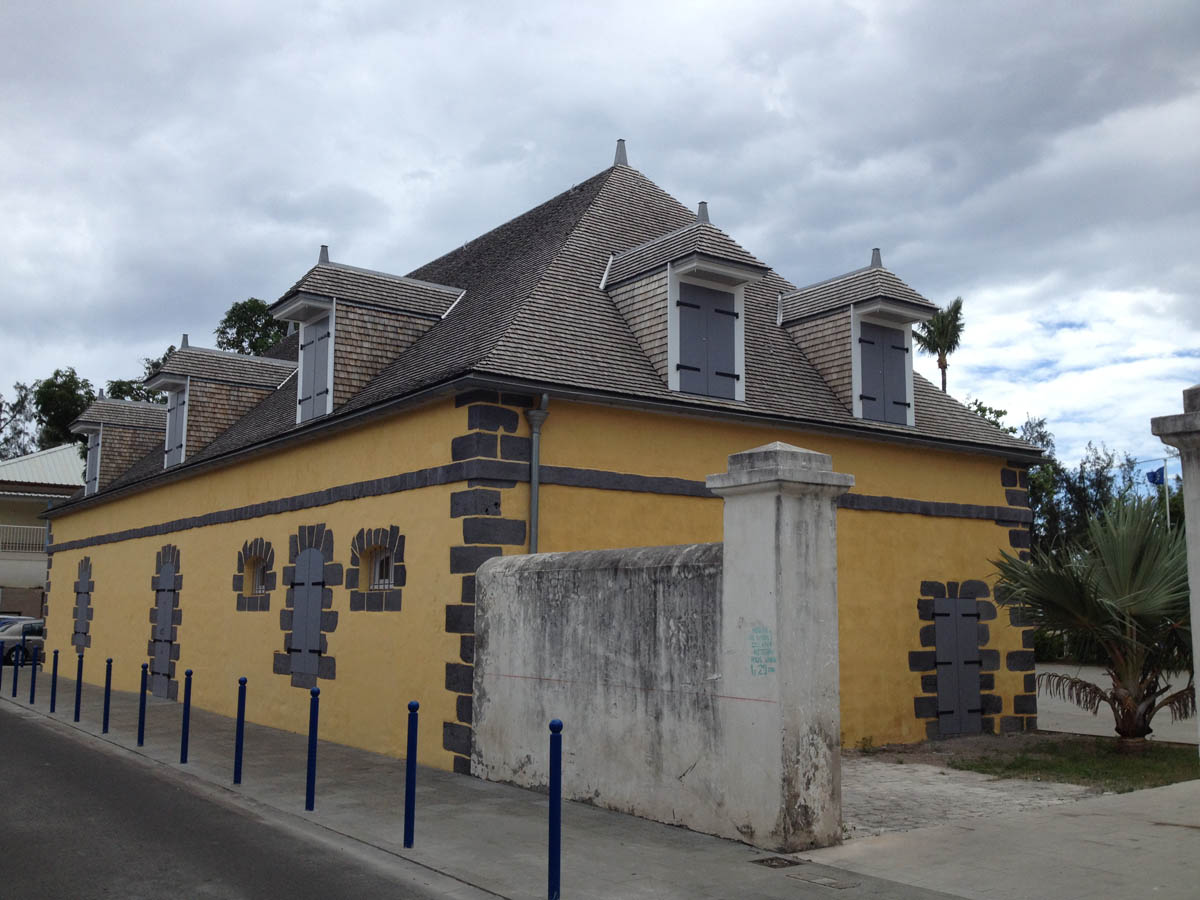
{"points": [[993, 414], [1119, 592], [1064, 499], [58, 401], [249, 327], [941, 335], [133, 388], [16, 422]]}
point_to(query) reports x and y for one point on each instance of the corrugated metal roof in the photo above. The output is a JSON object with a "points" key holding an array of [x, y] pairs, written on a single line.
{"points": [[58, 465]]}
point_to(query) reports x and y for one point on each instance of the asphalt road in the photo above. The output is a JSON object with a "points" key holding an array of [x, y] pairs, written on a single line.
{"points": [[82, 820]]}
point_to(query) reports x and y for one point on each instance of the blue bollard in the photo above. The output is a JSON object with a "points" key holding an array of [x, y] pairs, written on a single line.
{"points": [[410, 774], [33, 677], [555, 868], [142, 707], [240, 737], [78, 685], [107, 693], [187, 716], [310, 787], [1, 664], [18, 661], [54, 683]]}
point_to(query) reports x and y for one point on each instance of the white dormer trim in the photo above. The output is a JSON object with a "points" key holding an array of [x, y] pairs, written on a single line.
{"points": [[887, 315], [302, 307], [175, 385], [691, 274]]}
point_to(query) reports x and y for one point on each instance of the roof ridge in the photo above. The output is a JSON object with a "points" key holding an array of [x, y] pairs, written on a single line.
{"points": [[662, 237], [346, 267], [233, 354], [13, 459], [123, 402]]}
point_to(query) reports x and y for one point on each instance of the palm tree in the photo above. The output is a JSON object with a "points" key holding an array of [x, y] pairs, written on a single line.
{"points": [[941, 335], [1123, 590]]}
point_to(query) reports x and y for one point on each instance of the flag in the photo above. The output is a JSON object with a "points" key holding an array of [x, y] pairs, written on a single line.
{"points": [[1156, 476]]}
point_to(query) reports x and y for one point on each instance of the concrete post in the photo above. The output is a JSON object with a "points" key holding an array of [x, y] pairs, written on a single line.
{"points": [[1183, 432], [780, 645]]}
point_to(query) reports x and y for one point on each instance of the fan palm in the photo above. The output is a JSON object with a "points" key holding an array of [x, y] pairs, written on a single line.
{"points": [[1124, 591], [941, 335]]}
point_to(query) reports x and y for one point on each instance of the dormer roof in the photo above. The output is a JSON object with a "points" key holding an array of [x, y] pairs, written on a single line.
{"points": [[222, 366], [125, 413], [700, 238], [367, 287], [870, 283]]}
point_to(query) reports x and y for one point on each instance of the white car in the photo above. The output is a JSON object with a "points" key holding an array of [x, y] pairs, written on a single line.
{"points": [[21, 631]]}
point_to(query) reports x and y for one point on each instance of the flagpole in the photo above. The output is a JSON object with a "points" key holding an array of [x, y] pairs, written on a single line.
{"points": [[1166, 494]]}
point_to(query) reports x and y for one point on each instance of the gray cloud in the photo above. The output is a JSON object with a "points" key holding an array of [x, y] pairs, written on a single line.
{"points": [[159, 162]]}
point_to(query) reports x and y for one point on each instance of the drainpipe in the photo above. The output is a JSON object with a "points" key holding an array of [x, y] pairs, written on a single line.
{"points": [[536, 417]]}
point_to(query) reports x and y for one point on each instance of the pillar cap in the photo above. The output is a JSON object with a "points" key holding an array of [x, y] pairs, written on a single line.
{"points": [[776, 464], [1181, 430]]}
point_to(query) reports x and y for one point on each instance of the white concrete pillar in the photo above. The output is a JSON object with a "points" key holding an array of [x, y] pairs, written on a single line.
{"points": [[1183, 432], [779, 650]]}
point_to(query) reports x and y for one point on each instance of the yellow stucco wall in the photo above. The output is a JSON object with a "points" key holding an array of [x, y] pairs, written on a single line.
{"points": [[385, 659]]}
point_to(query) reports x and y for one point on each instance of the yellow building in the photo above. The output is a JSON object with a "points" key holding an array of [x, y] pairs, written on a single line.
{"points": [[566, 381]]}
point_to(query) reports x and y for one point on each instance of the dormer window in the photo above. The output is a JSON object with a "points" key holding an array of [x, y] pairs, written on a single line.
{"points": [[315, 314], [91, 478], [706, 328], [315, 387], [881, 347]]}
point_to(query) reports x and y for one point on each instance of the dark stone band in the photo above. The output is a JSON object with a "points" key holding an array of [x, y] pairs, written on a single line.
{"points": [[505, 470]]}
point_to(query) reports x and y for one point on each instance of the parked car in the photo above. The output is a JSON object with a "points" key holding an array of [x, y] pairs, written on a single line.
{"points": [[21, 632]]}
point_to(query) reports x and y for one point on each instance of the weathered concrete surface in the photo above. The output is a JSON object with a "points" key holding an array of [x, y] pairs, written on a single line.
{"points": [[780, 642], [698, 687], [623, 646], [1183, 432]]}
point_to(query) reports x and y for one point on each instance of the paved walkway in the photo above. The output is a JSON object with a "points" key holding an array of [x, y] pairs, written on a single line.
{"points": [[490, 839], [882, 797]]}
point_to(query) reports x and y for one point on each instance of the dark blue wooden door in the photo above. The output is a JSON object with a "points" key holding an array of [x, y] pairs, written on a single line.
{"points": [[307, 589], [958, 665]]}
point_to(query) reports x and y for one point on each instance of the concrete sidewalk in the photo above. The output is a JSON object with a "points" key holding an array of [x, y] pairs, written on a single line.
{"points": [[492, 838]]}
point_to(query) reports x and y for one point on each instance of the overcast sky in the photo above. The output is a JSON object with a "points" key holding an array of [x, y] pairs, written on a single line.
{"points": [[161, 161]]}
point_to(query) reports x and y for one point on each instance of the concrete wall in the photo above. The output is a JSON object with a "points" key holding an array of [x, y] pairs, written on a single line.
{"points": [[699, 683], [624, 646]]}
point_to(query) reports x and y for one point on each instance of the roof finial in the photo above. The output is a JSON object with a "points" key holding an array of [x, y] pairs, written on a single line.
{"points": [[324, 255], [101, 397], [702, 212], [620, 159], [876, 259], [183, 342]]}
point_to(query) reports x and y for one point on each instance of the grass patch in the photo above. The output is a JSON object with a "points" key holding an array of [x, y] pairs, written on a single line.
{"points": [[1096, 763]]}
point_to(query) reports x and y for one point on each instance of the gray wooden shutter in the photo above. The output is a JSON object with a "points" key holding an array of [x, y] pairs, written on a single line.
{"points": [[871, 385], [722, 319], [321, 367], [693, 361], [895, 377], [91, 477], [307, 371], [956, 634], [307, 589], [163, 633], [707, 341], [176, 411]]}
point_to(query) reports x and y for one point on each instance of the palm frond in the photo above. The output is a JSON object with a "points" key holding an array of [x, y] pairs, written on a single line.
{"points": [[1182, 703], [1079, 691]]}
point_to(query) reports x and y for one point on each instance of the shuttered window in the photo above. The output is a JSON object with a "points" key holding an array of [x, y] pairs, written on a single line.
{"points": [[707, 334], [176, 416], [884, 384], [91, 477], [314, 369]]}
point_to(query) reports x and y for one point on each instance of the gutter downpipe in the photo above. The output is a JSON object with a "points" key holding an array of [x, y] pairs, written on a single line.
{"points": [[536, 417]]}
